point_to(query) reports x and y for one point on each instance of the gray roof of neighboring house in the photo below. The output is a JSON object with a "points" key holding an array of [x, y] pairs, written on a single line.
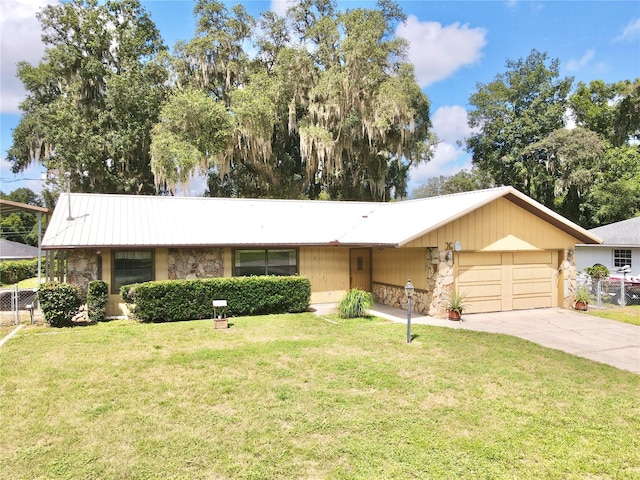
{"points": [[16, 251], [625, 233], [138, 221]]}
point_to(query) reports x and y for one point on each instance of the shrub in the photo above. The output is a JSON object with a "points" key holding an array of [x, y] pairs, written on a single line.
{"points": [[355, 304], [174, 300], [15, 271], [597, 271], [97, 294], [59, 302]]}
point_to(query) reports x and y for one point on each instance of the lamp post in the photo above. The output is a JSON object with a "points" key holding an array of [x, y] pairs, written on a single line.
{"points": [[408, 288]]}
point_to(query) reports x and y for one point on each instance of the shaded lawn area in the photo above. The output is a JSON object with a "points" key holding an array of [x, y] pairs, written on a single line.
{"points": [[629, 314], [293, 396]]}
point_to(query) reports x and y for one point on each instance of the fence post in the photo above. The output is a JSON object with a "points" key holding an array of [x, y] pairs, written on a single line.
{"points": [[15, 305], [599, 292]]}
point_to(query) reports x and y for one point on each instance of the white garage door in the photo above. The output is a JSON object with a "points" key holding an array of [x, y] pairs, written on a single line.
{"points": [[501, 281]]}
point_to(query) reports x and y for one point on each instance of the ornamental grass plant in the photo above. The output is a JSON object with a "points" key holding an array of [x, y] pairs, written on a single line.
{"points": [[356, 303]]}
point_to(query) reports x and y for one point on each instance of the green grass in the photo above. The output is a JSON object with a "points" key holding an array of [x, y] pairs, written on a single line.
{"points": [[294, 396], [629, 314]]}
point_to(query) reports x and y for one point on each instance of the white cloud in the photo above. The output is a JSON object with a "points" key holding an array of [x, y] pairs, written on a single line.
{"points": [[20, 40], [438, 51], [631, 31], [280, 6], [450, 125], [574, 65], [448, 160]]}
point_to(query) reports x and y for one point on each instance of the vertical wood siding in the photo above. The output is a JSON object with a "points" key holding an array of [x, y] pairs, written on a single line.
{"points": [[394, 266], [498, 226], [327, 268]]}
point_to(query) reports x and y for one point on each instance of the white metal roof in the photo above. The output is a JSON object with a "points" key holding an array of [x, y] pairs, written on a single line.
{"points": [[141, 221]]}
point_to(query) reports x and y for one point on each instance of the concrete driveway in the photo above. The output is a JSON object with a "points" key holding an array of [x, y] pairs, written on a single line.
{"points": [[599, 339]]}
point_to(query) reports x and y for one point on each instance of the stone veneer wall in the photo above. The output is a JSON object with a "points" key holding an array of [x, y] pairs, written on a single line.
{"points": [[82, 268], [568, 268], [191, 263], [433, 300]]}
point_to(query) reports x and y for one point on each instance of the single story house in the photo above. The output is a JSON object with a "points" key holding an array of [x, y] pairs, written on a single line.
{"points": [[620, 247], [503, 249]]}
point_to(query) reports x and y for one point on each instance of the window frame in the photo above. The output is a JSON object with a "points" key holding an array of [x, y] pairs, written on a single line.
{"points": [[115, 290], [622, 257], [266, 251]]}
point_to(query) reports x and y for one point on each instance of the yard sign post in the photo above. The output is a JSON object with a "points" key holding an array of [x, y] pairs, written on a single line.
{"points": [[408, 288]]}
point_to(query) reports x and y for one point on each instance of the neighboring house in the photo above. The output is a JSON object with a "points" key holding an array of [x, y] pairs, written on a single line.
{"points": [[505, 250], [16, 251], [620, 247]]}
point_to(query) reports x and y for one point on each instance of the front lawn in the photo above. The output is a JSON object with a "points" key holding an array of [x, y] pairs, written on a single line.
{"points": [[294, 396], [629, 314]]}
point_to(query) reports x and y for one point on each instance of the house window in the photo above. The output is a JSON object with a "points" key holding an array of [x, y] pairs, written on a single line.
{"points": [[131, 267], [265, 262], [621, 258]]}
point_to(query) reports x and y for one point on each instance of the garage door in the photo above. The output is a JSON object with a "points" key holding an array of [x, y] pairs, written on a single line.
{"points": [[501, 281]]}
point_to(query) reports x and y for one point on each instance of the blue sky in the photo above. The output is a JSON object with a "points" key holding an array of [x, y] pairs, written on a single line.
{"points": [[453, 44]]}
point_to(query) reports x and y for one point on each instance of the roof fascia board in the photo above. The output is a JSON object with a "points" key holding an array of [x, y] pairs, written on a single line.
{"points": [[9, 206], [552, 217], [226, 245], [530, 205]]}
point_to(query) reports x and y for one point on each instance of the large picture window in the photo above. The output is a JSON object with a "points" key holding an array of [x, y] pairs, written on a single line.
{"points": [[621, 258], [131, 267], [265, 262]]}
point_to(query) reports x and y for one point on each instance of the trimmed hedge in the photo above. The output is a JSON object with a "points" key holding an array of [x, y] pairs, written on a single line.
{"points": [[14, 271], [60, 302], [176, 300], [97, 294]]}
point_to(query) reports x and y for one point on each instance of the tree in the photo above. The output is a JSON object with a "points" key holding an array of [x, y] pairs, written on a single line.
{"points": [[571, 159], [615, 192], [519, 108], [463, 181], [610, 110], [192, 128], [93, 98], [21, 227], [326, 105]]}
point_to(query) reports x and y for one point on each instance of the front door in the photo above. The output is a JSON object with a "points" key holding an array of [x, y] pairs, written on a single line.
{"points": [[360, 268]]}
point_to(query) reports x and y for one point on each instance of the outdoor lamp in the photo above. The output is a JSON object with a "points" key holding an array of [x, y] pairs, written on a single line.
{"points": [[408, 288]]}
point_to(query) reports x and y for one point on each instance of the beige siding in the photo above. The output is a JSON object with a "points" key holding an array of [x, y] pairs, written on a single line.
{"points": [[498, 226], [394, 266], [161, 263], [327, 268], [227, 259]]}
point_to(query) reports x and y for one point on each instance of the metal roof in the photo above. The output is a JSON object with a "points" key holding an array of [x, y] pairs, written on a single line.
{"points": [[95, 220], [625, 233]]}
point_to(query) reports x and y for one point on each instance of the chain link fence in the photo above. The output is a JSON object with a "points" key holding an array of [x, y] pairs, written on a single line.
{"points": [[612, 291], [18, 305]]}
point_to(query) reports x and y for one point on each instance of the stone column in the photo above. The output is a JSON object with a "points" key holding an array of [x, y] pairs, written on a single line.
{"points": [[443, 287], [82, 268], [569, 273]]}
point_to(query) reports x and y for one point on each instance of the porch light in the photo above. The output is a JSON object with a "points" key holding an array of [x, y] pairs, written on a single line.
{"points": [[408, 288]]}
